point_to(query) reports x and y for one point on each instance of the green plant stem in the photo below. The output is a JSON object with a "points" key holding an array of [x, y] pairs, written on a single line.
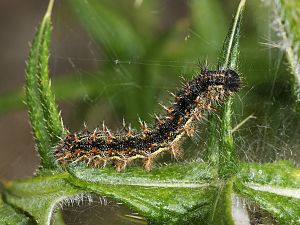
{"points": [[221, 149]]}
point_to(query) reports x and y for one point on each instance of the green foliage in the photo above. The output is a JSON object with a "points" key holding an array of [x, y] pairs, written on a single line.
{"points": [[281, 174], [221, 146], [168, 195], [42, 109], [39, 196], [10, 216], [285, 209], [180, 193]]}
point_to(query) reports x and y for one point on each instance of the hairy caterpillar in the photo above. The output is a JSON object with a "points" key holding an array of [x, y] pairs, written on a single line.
{"points": [[101, 146]]}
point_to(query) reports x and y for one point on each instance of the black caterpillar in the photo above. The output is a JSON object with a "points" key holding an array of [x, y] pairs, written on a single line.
{"points": [[99, 147]]}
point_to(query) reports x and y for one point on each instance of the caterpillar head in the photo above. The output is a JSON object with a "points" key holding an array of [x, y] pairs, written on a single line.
{"points": [[229, 80], [232, 81]]}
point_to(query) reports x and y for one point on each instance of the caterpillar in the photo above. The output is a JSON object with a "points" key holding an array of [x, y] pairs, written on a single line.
{"points": [[98, 147]]}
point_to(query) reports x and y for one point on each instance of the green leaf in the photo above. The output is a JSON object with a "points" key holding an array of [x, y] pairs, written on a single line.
{"points": [[173, 194], [43, 113], [180, 174], [10, 216], [285, 209], [280, 173], [220, 144], [39, 196]]}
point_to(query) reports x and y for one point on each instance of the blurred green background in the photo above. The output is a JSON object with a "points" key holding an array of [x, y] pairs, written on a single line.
{"points": [[115, 59]]}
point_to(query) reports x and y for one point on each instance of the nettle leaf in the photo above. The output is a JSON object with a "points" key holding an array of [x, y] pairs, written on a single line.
{"points": [[173, 194], [39, 196], [280, 174], [11, 216], [285, 209], [182, 174], [42, 109]]}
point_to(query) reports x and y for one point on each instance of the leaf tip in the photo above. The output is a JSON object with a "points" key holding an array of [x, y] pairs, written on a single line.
{"points": [[49, 9]]}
